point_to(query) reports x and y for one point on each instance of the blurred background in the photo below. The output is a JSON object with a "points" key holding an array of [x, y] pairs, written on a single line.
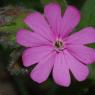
{"points": [[14, 78]]}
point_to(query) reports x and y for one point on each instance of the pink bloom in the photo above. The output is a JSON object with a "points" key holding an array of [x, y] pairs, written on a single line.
{"points": [[53, 48]]}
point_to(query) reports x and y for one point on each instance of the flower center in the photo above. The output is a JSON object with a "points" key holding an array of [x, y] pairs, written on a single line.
{"points": [[59, 45]]}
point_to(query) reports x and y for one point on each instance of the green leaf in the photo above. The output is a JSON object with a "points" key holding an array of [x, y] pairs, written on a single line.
{"points": [[45, 1], [62, 2], [9, 30], [92, 72], [15, 25], [88, 14]]}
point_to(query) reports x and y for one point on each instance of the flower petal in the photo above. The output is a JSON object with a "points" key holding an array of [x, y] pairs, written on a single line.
{"points": [[53, 14], [41, 72], [84, 36], [61, 71], [38, 24], [36, 54], [82, 53], [79, 70], [71, 19], [30, 39]]}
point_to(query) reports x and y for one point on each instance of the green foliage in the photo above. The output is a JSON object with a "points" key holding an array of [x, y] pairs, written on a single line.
{"points": [[88, 14], [9, 30]]}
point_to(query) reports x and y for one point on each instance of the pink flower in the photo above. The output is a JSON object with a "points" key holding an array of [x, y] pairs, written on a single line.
{"points": [[53, 48]]}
